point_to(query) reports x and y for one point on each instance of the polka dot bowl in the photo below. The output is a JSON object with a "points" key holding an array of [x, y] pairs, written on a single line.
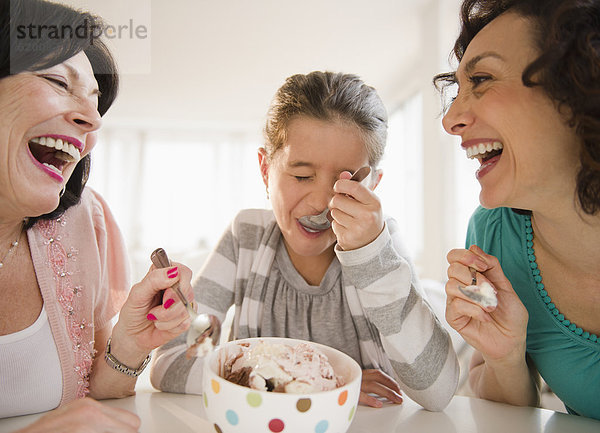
{"points": [[234, 408]]}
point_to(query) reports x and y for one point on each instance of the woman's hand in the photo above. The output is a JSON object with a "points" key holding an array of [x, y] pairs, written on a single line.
{"points": [[153, 313], [85, 415], [356, 212], [499, 370], [151, 316], [498, 333], [378, 383]]}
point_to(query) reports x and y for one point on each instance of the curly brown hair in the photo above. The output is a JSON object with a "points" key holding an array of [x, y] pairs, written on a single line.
{"points": [[567, 34]]}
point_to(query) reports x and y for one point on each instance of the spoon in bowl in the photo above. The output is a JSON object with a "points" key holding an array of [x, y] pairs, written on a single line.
{"points": [[322, 221], [203, 327]]}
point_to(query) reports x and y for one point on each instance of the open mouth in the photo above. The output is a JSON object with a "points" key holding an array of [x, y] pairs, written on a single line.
{"points": [[484, 151], [54, 153]]}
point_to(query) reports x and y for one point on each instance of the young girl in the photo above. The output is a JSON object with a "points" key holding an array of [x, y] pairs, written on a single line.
{"points": [[350, 286]]}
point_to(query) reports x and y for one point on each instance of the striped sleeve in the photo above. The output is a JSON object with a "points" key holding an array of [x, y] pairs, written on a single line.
{"points": [[416, 344]]}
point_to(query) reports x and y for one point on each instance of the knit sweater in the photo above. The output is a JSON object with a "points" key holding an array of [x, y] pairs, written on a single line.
{"points": [[82, 269], [371, 293]]}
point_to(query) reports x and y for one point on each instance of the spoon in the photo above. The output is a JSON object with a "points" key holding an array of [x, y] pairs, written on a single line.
{"points": [[322, 220], [483, 294], [203, 325]]}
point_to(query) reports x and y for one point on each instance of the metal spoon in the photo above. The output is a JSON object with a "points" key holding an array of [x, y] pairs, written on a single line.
{"points": [[203, 325], [322, 221]]}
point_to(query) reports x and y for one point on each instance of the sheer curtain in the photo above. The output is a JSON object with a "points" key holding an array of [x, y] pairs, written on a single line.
{"points": [[175, 190], [401, 187]]}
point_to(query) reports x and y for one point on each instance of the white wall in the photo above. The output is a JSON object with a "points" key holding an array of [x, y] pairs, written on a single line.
{"points": [[211, 72], [450, 190]]}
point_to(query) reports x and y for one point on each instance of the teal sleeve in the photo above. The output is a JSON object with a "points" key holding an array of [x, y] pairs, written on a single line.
{"points": [[485, 230], [477, 224], [471, 232]]}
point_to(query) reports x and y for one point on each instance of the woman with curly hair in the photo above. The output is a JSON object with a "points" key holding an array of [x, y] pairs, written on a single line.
{"points": [[528, 108]]}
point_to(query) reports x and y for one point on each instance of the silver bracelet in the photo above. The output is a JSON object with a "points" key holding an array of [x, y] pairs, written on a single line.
{"points": [[117, 365]]}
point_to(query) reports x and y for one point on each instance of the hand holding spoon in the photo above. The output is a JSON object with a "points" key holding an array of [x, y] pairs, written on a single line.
{"points": [[203, 325], [484, 294], [322, 220]]}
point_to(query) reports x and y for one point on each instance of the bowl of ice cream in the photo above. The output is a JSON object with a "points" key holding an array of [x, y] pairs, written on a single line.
{"points": [[274, 385]]}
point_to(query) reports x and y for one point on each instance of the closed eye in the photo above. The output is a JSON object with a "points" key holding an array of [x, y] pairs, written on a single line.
{"points": [[57, 80], [302, 178]]}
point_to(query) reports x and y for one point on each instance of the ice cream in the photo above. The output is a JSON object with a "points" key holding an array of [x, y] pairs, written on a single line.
{"points": [[484, 294], [281, 368]]}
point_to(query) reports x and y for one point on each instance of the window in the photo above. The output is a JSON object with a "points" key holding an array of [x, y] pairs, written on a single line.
{"points": [[401, 188], [180, 190], [175, 191]]}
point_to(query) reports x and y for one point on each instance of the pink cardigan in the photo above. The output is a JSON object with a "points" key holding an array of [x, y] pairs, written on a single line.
{"points": [[82, 269]]}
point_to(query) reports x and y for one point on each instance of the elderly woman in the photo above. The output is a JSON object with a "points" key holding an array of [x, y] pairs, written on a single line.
{"points": [[63, 265], [528, 108]]}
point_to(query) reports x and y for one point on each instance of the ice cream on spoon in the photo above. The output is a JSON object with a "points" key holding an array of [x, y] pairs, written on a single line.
{"points": [[484, 294]]}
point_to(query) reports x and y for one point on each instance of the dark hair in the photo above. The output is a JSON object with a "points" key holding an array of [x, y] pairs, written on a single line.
{"points": [[567, 35], [20, 53], [328, 96]]}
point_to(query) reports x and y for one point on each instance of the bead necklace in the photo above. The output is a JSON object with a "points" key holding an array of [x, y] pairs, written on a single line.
{"points": [[537, 277], [13, 246]]}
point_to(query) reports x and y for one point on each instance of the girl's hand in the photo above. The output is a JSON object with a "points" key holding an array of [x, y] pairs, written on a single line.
{"points": [[85, 415], [499, 333], [378, 383], [153, 313], [356, 213]]}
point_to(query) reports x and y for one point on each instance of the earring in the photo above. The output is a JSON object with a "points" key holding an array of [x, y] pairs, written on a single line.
{"points": [[267, 189], [62, 191]]}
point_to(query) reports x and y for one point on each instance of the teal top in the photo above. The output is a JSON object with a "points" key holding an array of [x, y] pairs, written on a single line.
{"points": [[566, 356]]}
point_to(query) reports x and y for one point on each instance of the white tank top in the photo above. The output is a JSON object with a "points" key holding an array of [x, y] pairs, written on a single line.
{"points": [[30, 374]]}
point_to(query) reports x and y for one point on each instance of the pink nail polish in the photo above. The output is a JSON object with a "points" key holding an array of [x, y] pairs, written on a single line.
{"points": [[151, 316], [168, 303], [173, 272]]}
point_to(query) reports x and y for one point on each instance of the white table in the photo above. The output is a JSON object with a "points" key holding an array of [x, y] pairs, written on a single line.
{"points": [[162, 412]]}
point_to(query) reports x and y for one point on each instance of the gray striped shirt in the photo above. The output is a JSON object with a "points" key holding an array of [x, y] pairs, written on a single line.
{"points": [[369, 305]]}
